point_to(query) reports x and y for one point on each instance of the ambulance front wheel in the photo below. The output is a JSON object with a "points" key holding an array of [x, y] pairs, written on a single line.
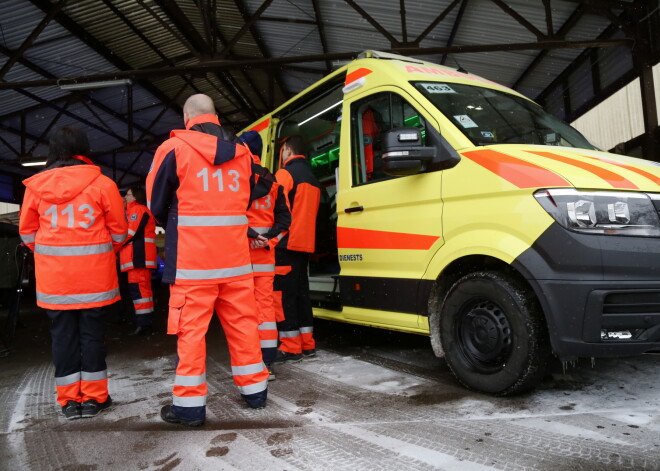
{"points": [[493, 334]]}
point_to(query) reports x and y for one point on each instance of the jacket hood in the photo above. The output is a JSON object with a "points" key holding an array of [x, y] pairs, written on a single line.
{"points": [[210, 140], [60, 185], [532, 166]]}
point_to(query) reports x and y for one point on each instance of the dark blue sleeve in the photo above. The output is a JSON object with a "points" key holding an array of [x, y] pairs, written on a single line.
{"points": [[163, 193]]}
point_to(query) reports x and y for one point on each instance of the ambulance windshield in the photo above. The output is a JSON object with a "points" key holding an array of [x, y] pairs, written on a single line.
{"points": [[489, 117]]}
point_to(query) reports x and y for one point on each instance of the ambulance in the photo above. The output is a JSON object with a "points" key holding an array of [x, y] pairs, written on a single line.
{"points": [[459, 209]]}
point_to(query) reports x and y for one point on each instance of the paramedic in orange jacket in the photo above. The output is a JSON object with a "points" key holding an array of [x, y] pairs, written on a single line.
{"points": [[303, 193], [269, 219], [73, 219], [138, 257], [199, 190]]}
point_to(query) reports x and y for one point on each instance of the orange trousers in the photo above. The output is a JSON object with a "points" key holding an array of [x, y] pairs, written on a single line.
{"points": [[263, 293], [190, 312]]}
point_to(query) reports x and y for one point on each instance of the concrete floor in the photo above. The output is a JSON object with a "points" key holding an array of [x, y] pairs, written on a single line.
{"points": [[370, 400]]}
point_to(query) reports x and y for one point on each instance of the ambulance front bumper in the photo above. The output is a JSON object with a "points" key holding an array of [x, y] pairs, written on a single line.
{"points": [[600, 293]]}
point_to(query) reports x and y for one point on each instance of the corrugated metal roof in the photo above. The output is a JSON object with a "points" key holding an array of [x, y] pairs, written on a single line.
{"points": [[116, 35]]}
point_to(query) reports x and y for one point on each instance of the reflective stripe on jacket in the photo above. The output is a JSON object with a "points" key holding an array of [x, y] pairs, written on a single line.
{"points": [[199, 190], [73, 219], [268, 216], [303, 193], [139, 250]]}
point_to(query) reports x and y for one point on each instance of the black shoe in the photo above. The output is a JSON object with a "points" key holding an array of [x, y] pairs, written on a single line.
{"points": [[287, 357], [309, 353], [271, 372], [141, 331], [91, 407], [71, 410], [168, 416]]}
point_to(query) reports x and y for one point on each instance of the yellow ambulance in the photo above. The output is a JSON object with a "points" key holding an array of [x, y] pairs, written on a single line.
{"points": [[459, 209]]}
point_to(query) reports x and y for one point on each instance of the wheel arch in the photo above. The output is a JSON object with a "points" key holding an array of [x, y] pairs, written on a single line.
{"points": [[455, 271]]}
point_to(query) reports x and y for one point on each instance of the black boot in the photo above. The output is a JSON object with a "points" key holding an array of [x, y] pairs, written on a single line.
{"points": [[141, 331], [168, 416]]}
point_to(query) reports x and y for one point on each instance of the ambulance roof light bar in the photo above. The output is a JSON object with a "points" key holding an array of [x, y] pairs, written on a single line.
{"points": [[371, 54]]}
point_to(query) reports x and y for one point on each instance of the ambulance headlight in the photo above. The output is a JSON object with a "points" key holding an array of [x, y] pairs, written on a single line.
{"points": [[601, 212]]}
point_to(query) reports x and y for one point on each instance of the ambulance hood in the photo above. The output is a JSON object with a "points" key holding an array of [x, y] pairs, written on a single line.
{"points": [[528, 166], [62, 184]]}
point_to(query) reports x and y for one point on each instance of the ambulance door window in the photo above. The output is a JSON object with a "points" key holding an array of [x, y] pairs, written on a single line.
{"points": [[370, 118]]}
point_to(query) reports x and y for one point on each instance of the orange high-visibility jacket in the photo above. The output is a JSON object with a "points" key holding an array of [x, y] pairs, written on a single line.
{"points": [[199, 189], [268, 216], [303, 193], [139, 250], [73, 219]]}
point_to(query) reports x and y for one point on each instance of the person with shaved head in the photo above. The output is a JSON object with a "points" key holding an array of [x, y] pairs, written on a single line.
{"points": [[199, 189]]}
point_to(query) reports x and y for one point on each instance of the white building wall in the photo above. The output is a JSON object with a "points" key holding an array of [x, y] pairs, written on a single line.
{"points": [[619, 118], [8, 208]]}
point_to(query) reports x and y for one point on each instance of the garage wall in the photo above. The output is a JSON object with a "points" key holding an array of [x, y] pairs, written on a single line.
{"points": [[619, 118]]}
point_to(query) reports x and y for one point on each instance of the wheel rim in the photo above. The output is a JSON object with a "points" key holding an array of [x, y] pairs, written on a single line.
{"points": [[484, 336]]}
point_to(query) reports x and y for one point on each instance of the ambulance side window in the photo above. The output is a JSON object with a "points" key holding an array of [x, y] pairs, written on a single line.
{"points": [[370, 118]]}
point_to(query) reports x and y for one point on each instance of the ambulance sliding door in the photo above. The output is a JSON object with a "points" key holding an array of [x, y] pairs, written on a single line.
{"points": [[388, 227]]}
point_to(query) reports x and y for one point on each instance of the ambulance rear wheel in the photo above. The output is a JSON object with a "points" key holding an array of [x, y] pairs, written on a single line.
{"points": [[493, 334]]}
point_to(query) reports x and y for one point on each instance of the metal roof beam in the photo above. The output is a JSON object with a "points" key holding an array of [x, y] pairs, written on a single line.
{"points": [[287, 20], [135, 30], [620, 5], [162, 112], [189, 36], [246, 26], [548, 18], [45, 132], [454, 29], [393, 41], [194, 41], [404, 27], [437, 21], [520, 19], [50, 104], [268, 63], [565, 28], [54, 10], [259, 42], [322, 36], [226, 51], [10, 147]]}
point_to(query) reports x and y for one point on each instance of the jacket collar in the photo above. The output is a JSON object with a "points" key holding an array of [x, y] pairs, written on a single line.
{"points": [[203, 118], [82, 158], [295, 157]]}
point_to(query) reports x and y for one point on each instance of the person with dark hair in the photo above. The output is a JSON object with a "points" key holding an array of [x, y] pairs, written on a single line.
{"points": [[303, 193], [72, 217], [269, 219], [137, 258], [199, 188]]}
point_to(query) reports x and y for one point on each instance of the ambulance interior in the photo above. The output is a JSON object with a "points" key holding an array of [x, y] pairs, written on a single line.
{"points": [[319, 123]]}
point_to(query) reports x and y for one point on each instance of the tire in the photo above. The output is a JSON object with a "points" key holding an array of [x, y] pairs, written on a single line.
{"points": [[494, 334]]}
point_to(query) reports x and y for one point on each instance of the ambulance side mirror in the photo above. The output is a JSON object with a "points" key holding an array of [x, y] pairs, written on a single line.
{"points": [[404, 154]]}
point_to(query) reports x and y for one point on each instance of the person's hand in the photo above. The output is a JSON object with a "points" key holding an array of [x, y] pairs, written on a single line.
{"points": [[259, 242]]}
